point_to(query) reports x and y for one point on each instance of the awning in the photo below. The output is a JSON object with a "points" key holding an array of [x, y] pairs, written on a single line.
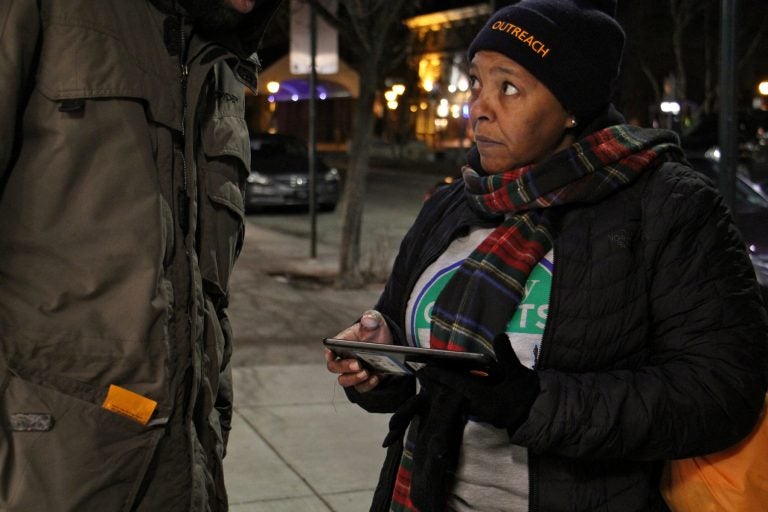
{"points": [[344, 84]]}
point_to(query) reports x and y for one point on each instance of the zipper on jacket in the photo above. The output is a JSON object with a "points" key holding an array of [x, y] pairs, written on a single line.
{"points": [[532, 492], [533, 462], [552, 295], [183, 192]]}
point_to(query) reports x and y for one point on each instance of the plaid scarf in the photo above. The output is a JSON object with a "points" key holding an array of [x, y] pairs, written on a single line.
{"points": [[481, 297]]}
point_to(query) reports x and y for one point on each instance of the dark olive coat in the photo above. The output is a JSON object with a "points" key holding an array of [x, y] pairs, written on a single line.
{"points": [[121, 215]]}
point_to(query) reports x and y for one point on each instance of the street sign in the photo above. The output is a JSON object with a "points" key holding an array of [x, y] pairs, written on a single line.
{"points": [[327, 58]]}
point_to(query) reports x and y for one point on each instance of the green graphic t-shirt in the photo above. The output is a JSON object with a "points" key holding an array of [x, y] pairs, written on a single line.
{"points": [[526, 326], [492, 473]]}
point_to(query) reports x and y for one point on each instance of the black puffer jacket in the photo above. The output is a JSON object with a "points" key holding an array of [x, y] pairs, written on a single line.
{"points": [[655, 344]]}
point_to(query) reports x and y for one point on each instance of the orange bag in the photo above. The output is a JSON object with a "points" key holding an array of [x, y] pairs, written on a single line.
{"points": [[733, 480]]}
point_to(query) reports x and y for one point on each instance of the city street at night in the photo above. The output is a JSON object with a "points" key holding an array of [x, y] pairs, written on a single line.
{"points": [[297, 444]]}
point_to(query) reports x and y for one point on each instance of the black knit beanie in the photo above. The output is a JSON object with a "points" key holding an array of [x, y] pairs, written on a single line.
{"points": [[574, 47]]}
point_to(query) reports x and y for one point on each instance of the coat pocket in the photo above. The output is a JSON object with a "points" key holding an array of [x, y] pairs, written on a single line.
{"points": [[114, 71], [222, 211], [81, 458]]}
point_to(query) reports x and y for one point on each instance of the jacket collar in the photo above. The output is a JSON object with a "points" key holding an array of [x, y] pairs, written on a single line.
{"points": [[243, 42]]}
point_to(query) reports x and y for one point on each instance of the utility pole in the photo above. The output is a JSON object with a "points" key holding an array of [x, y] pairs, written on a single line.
{"points": [[312, 132], [727, 120]]}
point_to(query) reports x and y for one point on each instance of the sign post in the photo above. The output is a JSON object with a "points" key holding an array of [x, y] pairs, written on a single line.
{"points": [[314, 49], [727, 116]]}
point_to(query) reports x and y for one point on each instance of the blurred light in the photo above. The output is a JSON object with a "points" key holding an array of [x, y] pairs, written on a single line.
{"points": [[712, 154], [332, 174], [273, 87], [271, 99], [323, 95], [399, 89], [390, 96], [455, 111], [762, 88], [463, 83], [295, 97], [443, 109], [465, 111], [423, 105], [414, 108], [259, 179], [392, 105], [670, 107], [428, 85], [451, 88]]}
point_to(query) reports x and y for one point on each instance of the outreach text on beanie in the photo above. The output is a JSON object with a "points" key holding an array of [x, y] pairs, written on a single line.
{"points": [[537, 46]]}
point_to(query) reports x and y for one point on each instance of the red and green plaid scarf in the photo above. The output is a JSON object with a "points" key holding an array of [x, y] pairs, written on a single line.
{"points": [[481, 297]]}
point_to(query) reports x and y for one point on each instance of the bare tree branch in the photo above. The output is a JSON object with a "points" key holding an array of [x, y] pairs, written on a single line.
{"points": [[755, 42], [652, 80]]}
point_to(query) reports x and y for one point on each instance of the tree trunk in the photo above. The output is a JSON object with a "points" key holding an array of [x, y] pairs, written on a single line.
{"points": [[353, 196], [679, 15]]}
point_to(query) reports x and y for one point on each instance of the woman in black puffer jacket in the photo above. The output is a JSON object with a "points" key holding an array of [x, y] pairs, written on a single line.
{"points": [[603, 273]]}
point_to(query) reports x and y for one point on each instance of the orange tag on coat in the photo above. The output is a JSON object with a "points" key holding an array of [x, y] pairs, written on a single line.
{"points": [[127, 403]]}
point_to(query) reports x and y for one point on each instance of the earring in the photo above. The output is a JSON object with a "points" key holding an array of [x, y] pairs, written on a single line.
{"points": [[573, 122]]}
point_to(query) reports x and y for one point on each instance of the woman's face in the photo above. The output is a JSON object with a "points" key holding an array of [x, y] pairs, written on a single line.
{"points": [[516, 119]]}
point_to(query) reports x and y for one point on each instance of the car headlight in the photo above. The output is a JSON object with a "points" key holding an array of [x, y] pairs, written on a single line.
{"points": [[332, 175], [259, 179], [299, 181]]}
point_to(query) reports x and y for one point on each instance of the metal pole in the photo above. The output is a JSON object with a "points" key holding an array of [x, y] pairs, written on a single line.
{"points": [[312, 135], [727, 121]]}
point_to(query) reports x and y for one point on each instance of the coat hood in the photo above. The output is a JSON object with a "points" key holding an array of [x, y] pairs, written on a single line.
{"points": [[246, 39]]}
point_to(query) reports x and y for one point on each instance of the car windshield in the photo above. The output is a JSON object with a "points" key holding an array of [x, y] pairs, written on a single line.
{"points": [[748, 199], [275, 147]]}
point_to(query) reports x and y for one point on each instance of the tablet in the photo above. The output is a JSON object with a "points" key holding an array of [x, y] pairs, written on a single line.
{"points": [[397, 359]]}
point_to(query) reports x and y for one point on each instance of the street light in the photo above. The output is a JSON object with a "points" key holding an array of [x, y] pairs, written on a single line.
{"points": [[443, 108], [760, 102], [273, 87], [670, 107]]}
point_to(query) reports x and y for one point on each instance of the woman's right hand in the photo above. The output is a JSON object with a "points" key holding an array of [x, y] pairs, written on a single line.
{"points": [[371, 328]]}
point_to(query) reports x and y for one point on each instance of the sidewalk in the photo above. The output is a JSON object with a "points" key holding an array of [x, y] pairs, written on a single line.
{"points": [[296, 444]]}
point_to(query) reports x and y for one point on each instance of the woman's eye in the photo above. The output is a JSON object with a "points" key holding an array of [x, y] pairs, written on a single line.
{"points": [[509, 89], [474, 83]]}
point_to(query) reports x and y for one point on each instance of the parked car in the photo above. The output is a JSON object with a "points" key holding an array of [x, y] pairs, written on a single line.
{"points": [[280, 175], [750, 209]]}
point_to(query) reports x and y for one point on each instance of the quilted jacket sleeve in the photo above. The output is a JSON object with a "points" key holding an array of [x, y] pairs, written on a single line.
{"points": [[702, 385], [19, 30]]}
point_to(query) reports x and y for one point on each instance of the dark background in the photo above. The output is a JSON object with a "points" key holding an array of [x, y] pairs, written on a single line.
{"points": [[649, 52]]}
